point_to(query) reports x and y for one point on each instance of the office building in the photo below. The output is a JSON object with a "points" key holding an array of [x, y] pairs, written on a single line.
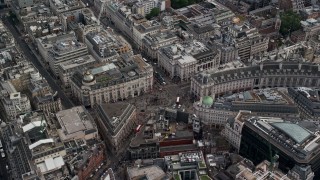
{"points": [[60, 6], [81, 21], [47, 151], [63, 50], [115, 122], [152, 43], [184, 60], [294, 5], [127, 77], [307, 100], [145, 7], [76, 123], [42, 28], [262, 102], [16, 69], [149, 172], [56, 49], [23, 3], [32, 12], [145, 144], [248, 41], [226, 46], [18, 153], [141, 30], [6, 40], [43, 98], [266, 74], [13, 102], [202, 31], [105, 45], [291, 143], [310, 27], [187, 165], [68, 68], [200, 13], [246, 170], [85, 164]]}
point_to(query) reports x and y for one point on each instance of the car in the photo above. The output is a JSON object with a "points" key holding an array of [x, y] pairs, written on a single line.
{"points": [[3, 155], [179, 106]]}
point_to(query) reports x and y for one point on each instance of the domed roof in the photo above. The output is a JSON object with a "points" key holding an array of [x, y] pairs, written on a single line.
{"points": [[88, 77], [207, 101]]}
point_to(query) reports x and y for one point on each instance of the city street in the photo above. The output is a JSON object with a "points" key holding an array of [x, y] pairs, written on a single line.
{"points": [[66, 102]]}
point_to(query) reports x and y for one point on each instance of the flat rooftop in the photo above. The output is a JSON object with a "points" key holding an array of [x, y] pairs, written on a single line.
{"points": [[192, 48], [270, 96], [151, 172], [77, 62], [115, 115], [125, 68], [291, 137], [67, 45], [74, 120], [114, 109]]}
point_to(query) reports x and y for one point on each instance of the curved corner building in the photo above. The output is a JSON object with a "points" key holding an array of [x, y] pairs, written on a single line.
{"points": [[267, 74]]}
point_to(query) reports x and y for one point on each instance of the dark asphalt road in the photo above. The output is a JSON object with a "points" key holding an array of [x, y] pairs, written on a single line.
{"points": [[66, 102]]}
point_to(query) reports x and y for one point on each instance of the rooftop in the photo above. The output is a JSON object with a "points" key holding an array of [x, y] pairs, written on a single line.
{"points": [[293, 139], [187, 50], [311, 93], [241, 72], [6, 38], [106, 43], [66, 5], [36, 12], [11, 58], [155, 39], [115, 115], [121, 70], [268, 95], [151, 172], [43, 28], [148, 26], [294, 131], [66, 45], [77, 62], [75, 121]]}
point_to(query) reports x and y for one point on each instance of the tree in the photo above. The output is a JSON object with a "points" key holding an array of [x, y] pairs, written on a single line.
{"points": [[153, 13], [290, 21]]}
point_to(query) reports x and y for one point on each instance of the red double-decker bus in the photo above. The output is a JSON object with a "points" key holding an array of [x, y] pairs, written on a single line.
{"points": [[138, 128]]}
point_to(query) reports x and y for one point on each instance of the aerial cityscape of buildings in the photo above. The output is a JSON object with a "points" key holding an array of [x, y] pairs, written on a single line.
{"points": [[159, 90]]}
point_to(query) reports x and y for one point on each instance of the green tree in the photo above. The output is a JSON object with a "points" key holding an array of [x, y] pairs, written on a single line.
{"points": [[154, 12], [290, 21]]}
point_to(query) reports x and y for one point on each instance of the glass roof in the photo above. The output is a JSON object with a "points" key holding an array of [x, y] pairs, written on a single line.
{"points": [[294, 131]]}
